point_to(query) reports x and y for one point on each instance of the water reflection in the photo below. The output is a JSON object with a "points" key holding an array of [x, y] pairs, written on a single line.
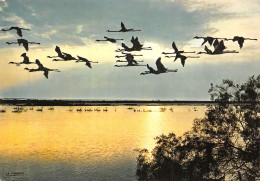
{"points": [[95, 143]]}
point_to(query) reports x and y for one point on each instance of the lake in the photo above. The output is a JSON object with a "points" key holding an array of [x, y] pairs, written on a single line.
{"points": [[66, 144]]}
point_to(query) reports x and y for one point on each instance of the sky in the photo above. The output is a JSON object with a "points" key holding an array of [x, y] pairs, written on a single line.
{"points": [[75, 25]]}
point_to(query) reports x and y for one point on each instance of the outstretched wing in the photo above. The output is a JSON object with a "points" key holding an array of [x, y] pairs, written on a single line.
{"points": [[57, 49], [40, 66], [83, 59], [123, 26], [183, 58], [241, 41], [208, 51], [19, 32], [150, 69], [174, 47], [46, 73], [160, 66], [216, 43], [210, 40], [88, 64], [220, 48], [205, 41]]}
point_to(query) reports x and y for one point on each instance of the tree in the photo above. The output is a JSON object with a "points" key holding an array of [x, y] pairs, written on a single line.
{"points": [[223, 145]]}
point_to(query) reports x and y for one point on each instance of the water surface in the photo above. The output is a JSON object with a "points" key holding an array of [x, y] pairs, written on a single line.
{"points": [[89, 145]]}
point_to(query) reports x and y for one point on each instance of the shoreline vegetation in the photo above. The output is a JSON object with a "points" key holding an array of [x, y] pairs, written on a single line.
{"points": [[224, 145], [78, 102]]}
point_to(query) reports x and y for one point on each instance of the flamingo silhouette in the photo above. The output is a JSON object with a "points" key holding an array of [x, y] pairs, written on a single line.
{"points": [[25, 60], [82, 59], [112, 40], [130, 61], [65, 57], [176, 51], [41, 68], [57, 49], [160, 68], [208, 39], [137, 46], [18, 30], [123, 29], [218, 49], [240, 40], [24, 42], [182, 58]]}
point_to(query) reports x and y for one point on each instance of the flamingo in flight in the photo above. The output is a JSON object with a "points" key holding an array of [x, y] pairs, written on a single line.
{"points": [[123, 29], [42, 68], [208, 39], [18, 30], [137, 46], [25, 60], [57, 49], [24, 42], [82, 59], [160, 68], [182, 58], [66, 57], [176, 51], [218, 49], [240, 40], [112, 40], [125, 54], [130, 61]]}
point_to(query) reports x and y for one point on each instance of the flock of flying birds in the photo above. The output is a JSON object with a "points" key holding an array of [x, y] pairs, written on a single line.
{"points": [[216, 43]]}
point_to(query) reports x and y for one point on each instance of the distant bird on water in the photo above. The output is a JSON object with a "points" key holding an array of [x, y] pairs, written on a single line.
{"points": [[24, 42], [18, 30], [82, 59], [160, 68], [240, 40], [42, 68], [25, 60], [123, 29], [112, 40]]}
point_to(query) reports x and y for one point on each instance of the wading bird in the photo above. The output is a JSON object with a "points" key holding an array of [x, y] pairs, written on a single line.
{"points": [[123, 29], [160, 68], [25, 60], [240, 40], [18, 30], [42, 68], [82, 59], [218, 49], [112, 40], [24, 42]]}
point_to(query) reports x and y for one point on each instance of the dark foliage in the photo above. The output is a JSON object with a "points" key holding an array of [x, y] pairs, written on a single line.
{"points": [[223, 145]]}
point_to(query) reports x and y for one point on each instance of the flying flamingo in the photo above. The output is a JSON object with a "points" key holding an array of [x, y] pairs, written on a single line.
{"points": [[240, 40], [130, 61], [182, 58], [25, 60], [218, 49], [208, 39], [112, 40], [42, 68], [176, 51], [65, 57], [24, 42], [160, 68], [18, 30], [82, 59], [123, 29], [57, 49]]}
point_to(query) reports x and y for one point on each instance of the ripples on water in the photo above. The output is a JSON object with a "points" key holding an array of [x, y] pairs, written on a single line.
{"points": [[66, 144]]}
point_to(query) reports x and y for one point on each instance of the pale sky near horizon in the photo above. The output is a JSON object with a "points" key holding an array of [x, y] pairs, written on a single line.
{"points": [[75, 25]]}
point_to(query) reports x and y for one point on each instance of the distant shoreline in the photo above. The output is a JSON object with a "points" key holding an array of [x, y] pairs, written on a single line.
{"points": [[77, 102]]}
